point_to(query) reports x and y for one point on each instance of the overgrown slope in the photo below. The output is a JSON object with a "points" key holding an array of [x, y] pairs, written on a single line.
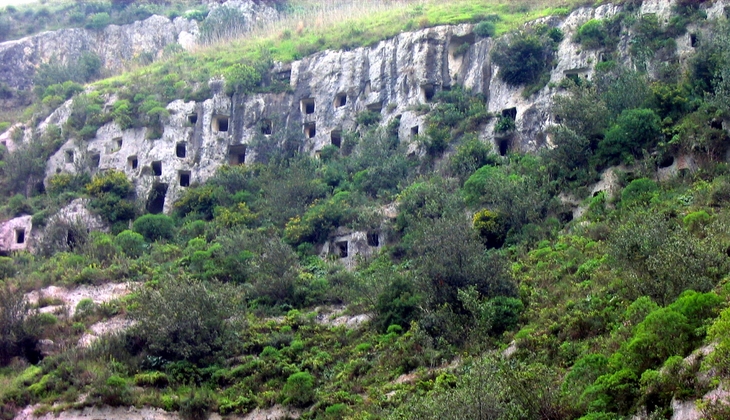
{"points": [[514, 286]]}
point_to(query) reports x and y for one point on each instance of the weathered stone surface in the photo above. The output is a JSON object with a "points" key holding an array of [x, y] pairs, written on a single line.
{"points": [[349, 246], [328, 90], [15, 234], [115, 45]]}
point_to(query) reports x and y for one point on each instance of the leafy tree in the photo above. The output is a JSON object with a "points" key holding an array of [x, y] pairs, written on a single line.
{"points": [[490, 388], [398, 304], [592, 34], [449, 256], [18, 327], [241, 78], [299, 389], [184, 319], [491, 227], [109, 193], [635, 130], [639, 192], [583, 111], [522, 58], [98, 21], [662, 259], [518, 198], [154, 227]]}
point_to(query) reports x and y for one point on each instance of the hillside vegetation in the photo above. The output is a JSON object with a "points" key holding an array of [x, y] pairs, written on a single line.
{"points": [[492, 298]]}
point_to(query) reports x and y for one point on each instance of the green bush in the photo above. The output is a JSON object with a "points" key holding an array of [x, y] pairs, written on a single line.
{"points": [[198, 405], [110, 192], [155, 227], [368, 118], [19, 327], [485, 28], [131, 243], [184, 319], [97, 21], [522, 58], [299, 389], [85, 307], [639, 191], [241, 78], [592, 34], [635, 130], [398, 304]]}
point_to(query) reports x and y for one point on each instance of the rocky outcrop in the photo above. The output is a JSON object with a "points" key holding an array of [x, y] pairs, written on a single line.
{"points": [[349, 247], [115, 45], [15, 234], [395, 78]]}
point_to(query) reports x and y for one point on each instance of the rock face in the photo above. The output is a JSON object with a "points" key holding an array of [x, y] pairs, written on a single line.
{"points": [[15, 234], [328, 90], [348, 246], [395, 78], [115, 45]]}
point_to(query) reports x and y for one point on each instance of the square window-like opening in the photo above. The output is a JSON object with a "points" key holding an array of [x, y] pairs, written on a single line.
{"points": [[414, 131], [133, 162], [341, 249], [693, 40], [373, 239], [429, 91], [69, 156], [375, 107], [336, 138], [267, 127], [308, 106], [310, 130], [510, 113], [340, 100], [237, 154], [20, 236], [118, 142], [181, 150], [504, 146], [156, 199], [220, 124], [193, 119], [95, 160], [157, 168], [184, 177]]}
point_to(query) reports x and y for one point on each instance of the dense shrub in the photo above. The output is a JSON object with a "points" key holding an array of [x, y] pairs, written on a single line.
{"points": [[522, 58], [109, 193], [184, 319], [592, 34], [131, 243], [635, 130], [299, 389], [398, 304], [155, 227], [19, 333]]}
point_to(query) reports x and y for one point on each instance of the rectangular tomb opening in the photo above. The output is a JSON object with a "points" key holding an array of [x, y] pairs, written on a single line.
{"points": [[237, 154]]}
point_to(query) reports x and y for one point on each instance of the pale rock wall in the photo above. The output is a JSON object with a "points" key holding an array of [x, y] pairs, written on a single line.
{"points": [[115, 45], [15, 234], [393, 77]]}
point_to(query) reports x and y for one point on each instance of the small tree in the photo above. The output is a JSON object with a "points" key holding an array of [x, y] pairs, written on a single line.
{"points": [[299, 389], [184, 319], [155, 227], [18, 330]]}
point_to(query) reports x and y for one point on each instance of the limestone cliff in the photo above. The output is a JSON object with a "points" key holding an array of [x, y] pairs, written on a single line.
{"points": [[327, 92], [115, 45]]}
